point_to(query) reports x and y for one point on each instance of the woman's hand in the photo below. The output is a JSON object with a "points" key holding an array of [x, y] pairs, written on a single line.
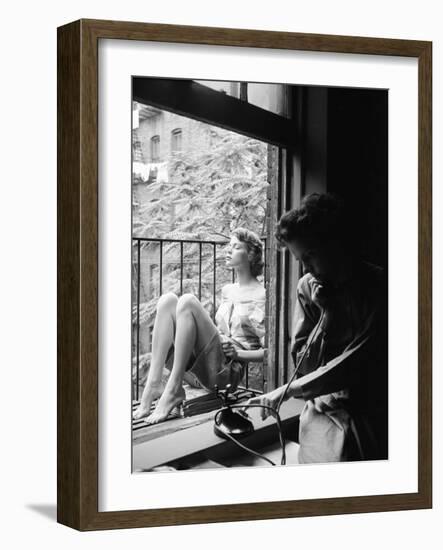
{"points": [[229, 350], [271, 399], [325, 300], [319, 294]]}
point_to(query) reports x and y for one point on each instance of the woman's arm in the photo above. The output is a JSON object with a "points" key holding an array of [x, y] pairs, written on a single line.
{"points": [[347, 368], [222, 315], [251, 355], [242, 354], [351, 366]]}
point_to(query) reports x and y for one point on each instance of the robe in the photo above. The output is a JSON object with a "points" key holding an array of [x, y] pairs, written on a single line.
{"points": [[341, 353]]}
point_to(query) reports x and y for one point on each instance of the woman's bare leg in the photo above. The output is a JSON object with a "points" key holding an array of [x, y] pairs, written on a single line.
{"points": [[194, 329], [162, 340]]}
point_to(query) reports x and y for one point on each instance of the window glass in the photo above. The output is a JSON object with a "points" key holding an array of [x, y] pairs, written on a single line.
{"points": [[176, 140], [155, 148], [229, 88], [270, 97]]}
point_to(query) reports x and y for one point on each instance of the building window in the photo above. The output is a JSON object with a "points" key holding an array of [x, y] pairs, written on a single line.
{"points": [[155, 148], [176, 140]]}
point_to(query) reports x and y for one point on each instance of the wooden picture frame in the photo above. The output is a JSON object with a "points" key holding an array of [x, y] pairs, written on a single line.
{"points": [[77, 432]]}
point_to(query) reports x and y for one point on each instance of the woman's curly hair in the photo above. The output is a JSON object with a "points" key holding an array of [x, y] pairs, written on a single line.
{"points": [[319, 220], [254, 246]]}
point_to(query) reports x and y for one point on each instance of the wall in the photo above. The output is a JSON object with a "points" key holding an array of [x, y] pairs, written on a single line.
{"points": [[28, 232], [344, 151], [314, 102], [195, 134], [357, 164]]}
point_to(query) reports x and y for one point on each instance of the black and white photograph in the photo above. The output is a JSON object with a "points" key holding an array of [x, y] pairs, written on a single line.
{"points": [[220, 289], [259, 307]]}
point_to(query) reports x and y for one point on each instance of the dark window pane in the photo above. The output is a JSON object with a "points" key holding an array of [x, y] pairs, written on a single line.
{"points": [[155, 148]]}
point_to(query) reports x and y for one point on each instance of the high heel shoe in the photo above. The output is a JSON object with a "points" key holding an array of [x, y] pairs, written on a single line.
{"points": [[177, 411]]}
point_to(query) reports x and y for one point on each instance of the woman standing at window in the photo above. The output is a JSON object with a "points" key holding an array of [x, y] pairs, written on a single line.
{"points": [[193, 348]]}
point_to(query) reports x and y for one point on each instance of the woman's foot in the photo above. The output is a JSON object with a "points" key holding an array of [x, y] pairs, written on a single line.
{"points": [[154, 391], [165, 405]]}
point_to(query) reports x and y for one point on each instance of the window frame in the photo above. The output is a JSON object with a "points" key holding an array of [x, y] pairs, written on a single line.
{"points": [[281, 132], [174, 134], [155, 148]]}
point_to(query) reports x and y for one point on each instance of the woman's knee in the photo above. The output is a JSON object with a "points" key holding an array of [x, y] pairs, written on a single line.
{"points": [[167, 301], [187, 302]]}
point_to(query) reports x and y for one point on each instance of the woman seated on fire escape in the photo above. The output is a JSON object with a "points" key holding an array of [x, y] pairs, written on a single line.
{"points": [[187, 342]]}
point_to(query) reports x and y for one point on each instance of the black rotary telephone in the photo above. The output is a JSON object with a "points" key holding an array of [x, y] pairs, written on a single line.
{"points": [[228, 422]]}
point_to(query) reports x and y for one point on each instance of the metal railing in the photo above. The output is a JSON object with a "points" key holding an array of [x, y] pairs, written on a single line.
{"points": [[139, 243]]}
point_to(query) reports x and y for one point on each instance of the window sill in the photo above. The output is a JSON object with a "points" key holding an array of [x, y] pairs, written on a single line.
{"points": [[176, 439]]}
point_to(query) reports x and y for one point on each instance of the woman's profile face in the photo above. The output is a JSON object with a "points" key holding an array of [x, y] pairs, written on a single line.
{"points": [[236, 253], [317, 262]]}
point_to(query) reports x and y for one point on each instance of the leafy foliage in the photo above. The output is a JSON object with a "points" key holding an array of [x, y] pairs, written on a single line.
{"points": [[210, 192]]}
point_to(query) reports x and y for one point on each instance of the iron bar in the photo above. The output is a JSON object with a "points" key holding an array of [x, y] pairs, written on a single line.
{"points": [[200, 271], [181, 268], [214, 282], [160, 267], [155, 239], [138, 322], [252, 390]]}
